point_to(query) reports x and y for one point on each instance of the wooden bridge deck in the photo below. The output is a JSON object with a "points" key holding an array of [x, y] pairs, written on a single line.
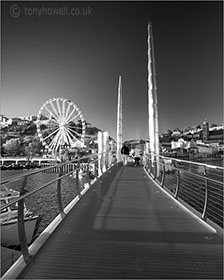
{"points": [[126, 227]]}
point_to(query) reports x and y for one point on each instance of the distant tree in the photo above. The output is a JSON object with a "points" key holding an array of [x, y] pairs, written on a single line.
{"points": [[27, 139], [176, 129], [188, 129], [37, 145], [43, 126], [169, 131], [31, 146], [29, 129], [166, 137], [27, 150], [2, 148], [13, 147]]}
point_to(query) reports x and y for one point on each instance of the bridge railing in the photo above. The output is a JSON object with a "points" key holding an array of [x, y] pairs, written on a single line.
{"points": [[197, 184], [50, 195]]}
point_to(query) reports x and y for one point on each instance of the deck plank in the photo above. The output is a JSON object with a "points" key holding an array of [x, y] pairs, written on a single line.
{"points": [[126, 227]]}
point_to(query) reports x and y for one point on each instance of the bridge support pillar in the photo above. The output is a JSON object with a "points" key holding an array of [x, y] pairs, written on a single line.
{"points": [[152, 104], [119, 121], [103, 149]]}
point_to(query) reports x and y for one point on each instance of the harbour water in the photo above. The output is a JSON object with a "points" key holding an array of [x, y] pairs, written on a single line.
{"points": [[212, 161], [43, 202]]}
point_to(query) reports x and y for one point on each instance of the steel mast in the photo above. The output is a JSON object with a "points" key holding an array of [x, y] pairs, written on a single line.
{"points": [[119, 121], [152, 100]]}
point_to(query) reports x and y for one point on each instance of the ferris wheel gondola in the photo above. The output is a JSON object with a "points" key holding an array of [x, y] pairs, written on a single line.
{"points": [[60, 123]]}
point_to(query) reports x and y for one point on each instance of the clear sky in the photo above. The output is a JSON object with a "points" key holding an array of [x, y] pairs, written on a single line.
{"points": [[79, 57]]}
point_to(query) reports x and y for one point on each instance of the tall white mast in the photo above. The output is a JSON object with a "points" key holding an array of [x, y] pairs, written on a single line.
{"points": [[152, 99], [119, 121]]}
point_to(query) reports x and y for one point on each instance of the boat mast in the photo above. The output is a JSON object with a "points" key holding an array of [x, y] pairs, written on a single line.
{"points": [[152, 100], [119, 121]]}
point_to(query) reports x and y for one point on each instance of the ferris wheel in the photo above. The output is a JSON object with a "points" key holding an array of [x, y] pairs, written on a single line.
{"points": [[60, 123]]}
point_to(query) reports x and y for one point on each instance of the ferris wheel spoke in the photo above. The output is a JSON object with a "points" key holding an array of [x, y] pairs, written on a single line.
{"points": [[72, 126], [55, 140], [71, 130], [65, 138], [50, 146], [53, 146], [54, 109], [63, 107], [55, 121], [50, 112], [61, 140], [68, 138], [69, 120], [58, 106], [72, 136], [67, 111], [58, 142], [51, 134]]}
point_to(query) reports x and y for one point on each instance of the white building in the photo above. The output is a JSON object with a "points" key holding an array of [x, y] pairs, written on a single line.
{"points": [[3, 121], [207, 149]]}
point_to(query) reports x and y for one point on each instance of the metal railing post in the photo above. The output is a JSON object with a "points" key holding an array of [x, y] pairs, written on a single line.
{"points": [[150, 165], [177, 186], [99, 165], [21, 225], [146, 164], [163, 177], [87, 173], [204, 217], [60, 204], [103, 165], [77, 179], [95, 168], [154, 167]]}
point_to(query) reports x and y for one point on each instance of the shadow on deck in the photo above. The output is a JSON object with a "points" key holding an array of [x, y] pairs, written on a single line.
{"points": [[126, 227]]}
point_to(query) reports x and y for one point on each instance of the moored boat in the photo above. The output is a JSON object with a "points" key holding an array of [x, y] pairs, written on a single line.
{"points": [[9, 220]]}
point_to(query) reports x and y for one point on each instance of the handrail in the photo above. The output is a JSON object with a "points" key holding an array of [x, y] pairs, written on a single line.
{"points": [[5, 181], [204, 165], [200, 191], [92, 159], [187, 161], [38, 189]]}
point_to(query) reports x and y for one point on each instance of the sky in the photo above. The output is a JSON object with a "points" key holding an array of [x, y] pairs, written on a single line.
{"points": [[79, 56]]}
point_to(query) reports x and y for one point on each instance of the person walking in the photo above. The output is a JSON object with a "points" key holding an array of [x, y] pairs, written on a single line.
{"points": [[125, 154], [137, 156]]}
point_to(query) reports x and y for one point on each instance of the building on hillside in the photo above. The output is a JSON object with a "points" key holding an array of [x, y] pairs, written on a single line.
{"points": [[30, 118], [181, 144], [212, 135], [133, 143], [3, 121], [43, 122], [192, 148], [13, 121], [3, 118], [17, 121], [23, 122], [207, 149]]}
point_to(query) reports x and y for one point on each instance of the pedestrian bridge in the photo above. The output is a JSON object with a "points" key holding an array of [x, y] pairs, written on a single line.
{"points": [[131, 224]]}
